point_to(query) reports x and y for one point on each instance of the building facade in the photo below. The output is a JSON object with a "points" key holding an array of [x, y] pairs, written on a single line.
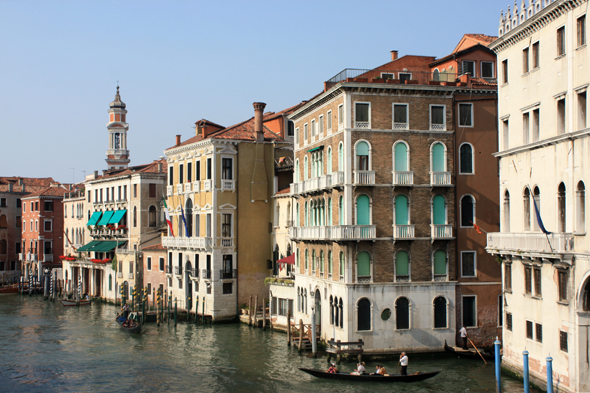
{"points": [[544, 167]]}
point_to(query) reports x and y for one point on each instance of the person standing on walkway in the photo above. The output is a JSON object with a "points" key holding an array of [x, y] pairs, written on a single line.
{"points": [[403, 361], [463, 333]]}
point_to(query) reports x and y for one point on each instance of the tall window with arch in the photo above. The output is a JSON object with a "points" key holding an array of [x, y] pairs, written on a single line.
{"points": [[363, 210], [362, 156], [313, 261], [581, 208], [506, 212], [341, 157], [466, 159], [305, 168], [440, 312], [329, 219], [402, 266], [440, 265], [330, 263], [402, 313], [306, 260], [526, 197], [329, 158], [439, 216], [364, 314], [341, 312], [341, 264], [363, 266], [322, 262], [341, 210], [152, 216], [305, 215], [296, 171], [297, 214], [437, 159], [467, 211], [134, 216], [401, 210], [536, 205], [561, 208], [401, 164]]}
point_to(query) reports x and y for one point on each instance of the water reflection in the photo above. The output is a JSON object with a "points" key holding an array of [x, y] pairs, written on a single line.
{"points": [[45, 347]]}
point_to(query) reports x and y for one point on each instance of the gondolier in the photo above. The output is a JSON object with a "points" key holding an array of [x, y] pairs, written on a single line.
{"points": [[463, 333], [403, 361]]}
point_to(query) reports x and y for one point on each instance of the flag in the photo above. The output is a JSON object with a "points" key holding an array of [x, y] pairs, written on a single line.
{"points": [[539, 221], [184, 221], [168, 220], [477, 228]]}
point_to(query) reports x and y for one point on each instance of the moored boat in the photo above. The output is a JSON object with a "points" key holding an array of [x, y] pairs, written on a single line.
{"points": [[419, 376], [469, 354], [8, 289], [71, 302]]}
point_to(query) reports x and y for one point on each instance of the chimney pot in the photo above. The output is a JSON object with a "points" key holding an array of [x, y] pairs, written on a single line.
{"points": [[95, 174], [393, 55], [159, 167], [177, 140], [258, 114]]}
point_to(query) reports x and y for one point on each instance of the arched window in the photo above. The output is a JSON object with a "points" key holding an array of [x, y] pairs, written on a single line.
{"points": [[437, 159], [329, 160], [585, 301], [305, 301], [341, 264], [435, 75], [581, 208], [297, 171], [313, 261], [364, 314], [305, 168], [152, 216], [341, 157], [466, 159], [363, 266], [363, 210], [561, 217], [401, 210], [440, 266], [297, 214], [400, 162], [440, 312], [297, 258], [330, 263], [506, 212], [341, 312], [402, 266], [467, 211], [331, 310], [322, 261], [134, 216], [362, 156], [3, 221], [537, 203], [402, 313], [305, 222], [341, 210], [439, 215], [527, 209], [299, 299]]}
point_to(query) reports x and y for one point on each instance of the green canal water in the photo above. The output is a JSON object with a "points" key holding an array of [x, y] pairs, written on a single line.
{"points": [[45, 347]]}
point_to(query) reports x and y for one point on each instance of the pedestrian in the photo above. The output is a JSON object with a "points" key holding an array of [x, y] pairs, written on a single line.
{"points": [[463, 333], [403, 361]]}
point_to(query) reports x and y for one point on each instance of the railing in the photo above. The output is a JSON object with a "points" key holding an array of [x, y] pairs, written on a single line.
{"points": [[195, 243], [440, 178], [207, 274], [130, 276], [318, 183], [119, 274], [441, 231], [366, 76], [179, 188], [187, 187], [227, 241], [194, 273], [400, 126], [526, 242], [402, 278], [403, 178], [364, 177], [438, 127], [441, 277], [169, 190], [206, 185], [178, 270], [364, 279], [403, 231], [48, 257], [168, 269], [339, 232], [228, 274], [362, 124], [228, 185], [197, 186]]}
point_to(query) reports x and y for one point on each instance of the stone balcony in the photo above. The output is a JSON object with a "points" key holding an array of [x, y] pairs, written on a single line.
{"points": [[191, 243], [401, 232], [403, 178], [438, 179], [532, 242], [316, 184], [333, 233], [441, 232], [364, 178]]}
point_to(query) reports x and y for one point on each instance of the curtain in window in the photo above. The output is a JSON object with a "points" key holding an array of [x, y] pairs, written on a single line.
{"points": [[362, 155]]}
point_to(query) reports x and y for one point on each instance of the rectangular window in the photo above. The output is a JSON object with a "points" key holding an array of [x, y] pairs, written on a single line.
{"points": [[529, 330], [525, 128], [468, 67], [189, 172], [500, 310], [505, 71], [387, 75], [197, 170], [305, 132], [468, 263], [508, 277], [561, 116], [536, 125], [505, 134], [466, 115], [361, 115], [130, 267], [329, 121], [152, 190], [227, 288], [537, 277], [180, 173], [209, 168], [227, 168], [48, 206], [161, 264], [469, 311], [581, 32], [313, 128], [47, 225], [119, 193], [208, 224], [18, 202], [149, 263], [535, 56], [290, 128], [135, 191], [404, 76], [561, 41], [171, 176], [226, 225], [47, 249], [563, 341], [437, 118], [400, 116], [340, 115], [525, 60], [539, 332], [487, 69], [581, 110], [18, 221], [562, 278], [149, 288], [125, 192], [197, 225], [528, 272], [2, 202], [321, 124]]}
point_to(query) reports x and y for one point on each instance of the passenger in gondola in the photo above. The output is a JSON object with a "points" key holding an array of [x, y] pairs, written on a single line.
{"points": [[382, 371], [332, 369], [377, 369], [360, 368]]}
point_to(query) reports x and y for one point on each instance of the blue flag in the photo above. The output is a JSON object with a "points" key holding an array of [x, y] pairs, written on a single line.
{"points": [[539, 221], [184, 221]]}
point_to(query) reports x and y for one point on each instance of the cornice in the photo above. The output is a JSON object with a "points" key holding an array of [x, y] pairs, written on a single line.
{"points": [[544, 143]]}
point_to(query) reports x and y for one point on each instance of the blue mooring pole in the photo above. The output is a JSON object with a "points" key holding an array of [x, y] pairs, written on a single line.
{"points": [[549, 374], [497, 362], [525, 370]]}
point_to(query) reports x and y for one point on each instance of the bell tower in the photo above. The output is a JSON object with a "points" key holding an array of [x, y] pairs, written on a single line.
{"points": [[117, 154]]}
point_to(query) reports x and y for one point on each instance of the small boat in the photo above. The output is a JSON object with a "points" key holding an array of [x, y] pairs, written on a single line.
{"points": [[71, 302], [132, 329], [9, 289], [419, 376], [468, 353]]}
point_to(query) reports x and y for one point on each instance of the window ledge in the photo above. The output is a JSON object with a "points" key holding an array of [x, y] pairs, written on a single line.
{"points": [[526, 74], [504, 84], [440, 328], [563, 303], [535, 69], [581, 47], [537, 297], [579, 233], [560, 57], [508, 291]]}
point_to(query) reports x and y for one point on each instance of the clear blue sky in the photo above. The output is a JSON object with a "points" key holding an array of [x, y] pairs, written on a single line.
{"points": [[181, 61]]}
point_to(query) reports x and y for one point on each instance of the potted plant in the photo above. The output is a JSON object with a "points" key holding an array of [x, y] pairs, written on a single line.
{"points": [[244, 308], [378, 79]]}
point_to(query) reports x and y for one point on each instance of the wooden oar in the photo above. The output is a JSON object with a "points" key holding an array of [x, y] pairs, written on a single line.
{"points": [[118, 315], [482, 358]]}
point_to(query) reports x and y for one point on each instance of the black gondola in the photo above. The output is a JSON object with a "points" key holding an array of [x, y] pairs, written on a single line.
{"points": [[419, 376], [132, 329], [468, 354]]}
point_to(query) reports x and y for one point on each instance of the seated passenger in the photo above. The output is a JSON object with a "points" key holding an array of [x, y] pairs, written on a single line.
{"points": [[332, 369]]}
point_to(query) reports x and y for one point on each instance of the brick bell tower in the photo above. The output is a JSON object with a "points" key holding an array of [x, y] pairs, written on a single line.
{"points": [[117, 154]]}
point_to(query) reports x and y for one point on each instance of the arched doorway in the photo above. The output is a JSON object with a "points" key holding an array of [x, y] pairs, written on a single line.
{"points": [[318, 310], [188, 289]]}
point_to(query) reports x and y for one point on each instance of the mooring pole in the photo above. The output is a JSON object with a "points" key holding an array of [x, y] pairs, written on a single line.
{"points": [[158, 309], [314, 349], [549, 374], [288, 328], [250, 311], [255, 310], [263, 313], [497, 362], [525, 369], [175, 310]]}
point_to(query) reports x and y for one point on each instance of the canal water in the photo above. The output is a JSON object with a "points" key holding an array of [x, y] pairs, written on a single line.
{"points": [[45, 347]]}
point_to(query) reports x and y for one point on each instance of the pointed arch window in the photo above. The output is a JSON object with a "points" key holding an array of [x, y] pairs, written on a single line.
{"points": [[506, 212], [341, 312], [537, 201], [466, 159], [561, 210], [329, 158], [581, 208], [467, 211], [341, 157], [322, 261], [363, 265], [364, 314], [305, 216], [585, 300], [331, 310], [313, 261], [527, 209], [306, 260], [440, 312], [330, 263], [402, 313]]}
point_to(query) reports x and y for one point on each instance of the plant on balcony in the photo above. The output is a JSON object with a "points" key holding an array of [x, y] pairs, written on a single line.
{"points": [[62, 257], [93, 260], [111, 227], [70, 258], [106, 260], [288, 282], [270, 280]]}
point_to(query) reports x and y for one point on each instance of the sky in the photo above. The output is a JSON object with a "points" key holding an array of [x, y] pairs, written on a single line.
{"points": [[177, 62]]}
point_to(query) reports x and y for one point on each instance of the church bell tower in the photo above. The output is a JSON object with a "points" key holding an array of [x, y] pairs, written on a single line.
{"points": [[117, 154]]}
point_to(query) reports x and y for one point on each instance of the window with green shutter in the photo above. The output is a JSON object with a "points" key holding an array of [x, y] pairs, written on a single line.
{"points": [[401, 157], [401, 210], [440, 263], [363, 210], [363, 264], [402, 267]]}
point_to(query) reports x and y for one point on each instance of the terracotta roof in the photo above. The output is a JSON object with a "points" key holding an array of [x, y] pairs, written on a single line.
{"points": [[285, 190], [31, 184], [205, 122], [155, 247], [152, 167], [55, 190], [483, 82], [482, 37], [285, 112]]}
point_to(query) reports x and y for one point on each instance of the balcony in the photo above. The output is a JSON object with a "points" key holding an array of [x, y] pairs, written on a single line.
{"points": [[47, 257], [318, 183], [228, 185], [403, 232], [207, 185], [333, 233], [120, 275], [403, 178], [402, 278], [196, 186], [535, 242], [364, 177], [178, 270], [362, 125], [441, 231], [168, 269], [187, 187], [191, 243], [227, 242], [179, 188], [228, 274], [130, 276], [194, 273], [169, 190], [440, 179], [441, 277], [400, 126], [438, 127], [207, 274]]}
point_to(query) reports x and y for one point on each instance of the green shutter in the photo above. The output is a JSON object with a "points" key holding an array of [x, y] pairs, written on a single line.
{"points": [[342, 264], [363, 211], [362, 149], [401, 264], [329, 160], [363, 264], [329, 212], [401, 157], [341, 211], [440, 263], [438, 158], [401, 210], [438, 210]]}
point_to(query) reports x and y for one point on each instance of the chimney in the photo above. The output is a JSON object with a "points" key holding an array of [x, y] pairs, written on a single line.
{"points": [[10, 184], [258, 112], [159, 167], [393, 55], [95, 174], [177, 140], [20, 182]]}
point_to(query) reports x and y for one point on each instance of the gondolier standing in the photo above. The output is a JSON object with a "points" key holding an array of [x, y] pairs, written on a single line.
{"points": [[463, 333], [403, 361]]}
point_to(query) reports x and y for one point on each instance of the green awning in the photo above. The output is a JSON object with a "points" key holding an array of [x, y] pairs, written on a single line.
{"points": [[94, 218], [108, 245], [316, 148], [88, 246], [117, 216], [105, 218]]}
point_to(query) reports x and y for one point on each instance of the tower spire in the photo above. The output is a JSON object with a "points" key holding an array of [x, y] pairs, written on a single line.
{"points": [[117, 153]]}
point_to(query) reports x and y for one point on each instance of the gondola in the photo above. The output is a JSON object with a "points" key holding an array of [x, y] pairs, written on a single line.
{"points": [[468, 354], [69, 303], [133, 329], [419, 376]]}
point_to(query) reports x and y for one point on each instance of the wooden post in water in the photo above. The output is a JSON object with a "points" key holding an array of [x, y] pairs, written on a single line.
{"points": [[263, 313], [196, 308], [300, 334], [288, 327], [158, 309], [255, 311], [250, 311], [175, 310]]}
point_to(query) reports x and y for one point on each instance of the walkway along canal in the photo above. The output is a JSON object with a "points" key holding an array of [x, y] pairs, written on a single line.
{"points": [[45, 347]]}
